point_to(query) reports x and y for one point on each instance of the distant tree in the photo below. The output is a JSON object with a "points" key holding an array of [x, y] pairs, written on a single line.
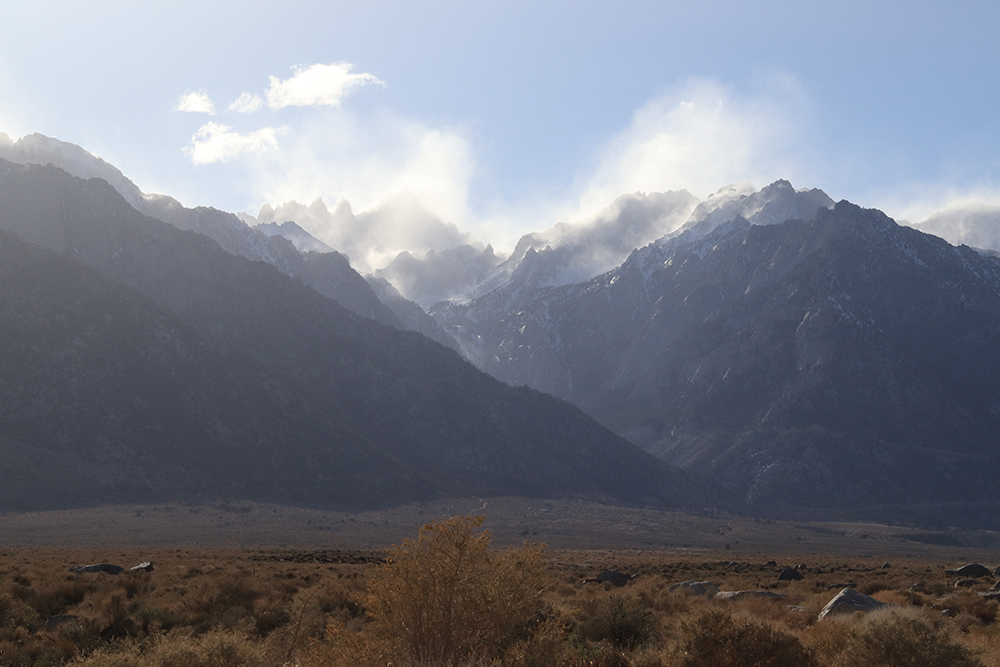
{"points": [[446, 598]]}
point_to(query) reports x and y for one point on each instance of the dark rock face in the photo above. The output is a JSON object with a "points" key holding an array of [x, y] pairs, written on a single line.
{"points": [[790, 574], [171, 367], [849, 601], [841, 366]]}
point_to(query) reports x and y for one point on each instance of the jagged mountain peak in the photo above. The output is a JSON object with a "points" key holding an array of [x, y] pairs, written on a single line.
{"points": [[732, 191], [432, 276], [770, 205], [372, 238], [341, 209]]}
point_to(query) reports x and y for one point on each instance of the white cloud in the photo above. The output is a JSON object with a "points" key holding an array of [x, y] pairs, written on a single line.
{"points": [[196, 101], [246, 103], [317, 85], [699, 138], [214, 142]]}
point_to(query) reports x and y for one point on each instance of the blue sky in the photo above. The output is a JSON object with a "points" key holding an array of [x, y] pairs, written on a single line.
{"points": [[506, 116]]}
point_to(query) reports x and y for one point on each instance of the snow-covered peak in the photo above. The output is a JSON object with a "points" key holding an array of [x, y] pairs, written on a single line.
{"points": [[770, 205]]}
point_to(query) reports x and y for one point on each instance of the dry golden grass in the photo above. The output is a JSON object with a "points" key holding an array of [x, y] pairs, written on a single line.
{"points": [[262, 608]]}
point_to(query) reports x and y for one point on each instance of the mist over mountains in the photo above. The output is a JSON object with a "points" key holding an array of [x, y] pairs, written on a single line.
{"points": [[974, 225], [769, 350]]}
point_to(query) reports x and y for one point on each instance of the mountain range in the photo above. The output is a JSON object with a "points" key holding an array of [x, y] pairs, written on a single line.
{"points": [[840, 365], [768, 351], [175, 367]]}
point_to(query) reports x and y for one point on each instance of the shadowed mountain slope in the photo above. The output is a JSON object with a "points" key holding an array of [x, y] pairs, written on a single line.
{"points": [[107, 396], [412, 399]]}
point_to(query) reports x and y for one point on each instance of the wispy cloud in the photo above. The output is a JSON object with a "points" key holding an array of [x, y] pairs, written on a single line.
{"points": [[915, 202], [246, 103], [196, 101], [699, 137], [317, 85], [214, 142]]}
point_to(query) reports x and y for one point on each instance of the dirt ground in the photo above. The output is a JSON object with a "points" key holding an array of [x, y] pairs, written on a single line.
{"points": [[560, 524]]}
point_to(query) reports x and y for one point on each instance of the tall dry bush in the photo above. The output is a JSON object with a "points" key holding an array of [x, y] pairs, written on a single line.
{"points": [[446, 598], [620, 621], [716, 639], [892, 639]]}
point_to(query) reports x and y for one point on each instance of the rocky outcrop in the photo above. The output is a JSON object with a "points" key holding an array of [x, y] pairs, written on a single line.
{"points": [[106, 568], [849, 601], [972, 570]]}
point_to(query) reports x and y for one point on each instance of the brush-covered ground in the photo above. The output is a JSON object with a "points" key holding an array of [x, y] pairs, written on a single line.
{"points": [[447, 596]]}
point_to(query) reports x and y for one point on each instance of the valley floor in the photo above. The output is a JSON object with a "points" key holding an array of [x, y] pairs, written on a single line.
{"points": [[560, 524]]}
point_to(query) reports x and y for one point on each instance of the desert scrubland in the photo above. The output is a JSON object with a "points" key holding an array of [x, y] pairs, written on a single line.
{"points": [[510, 591]]}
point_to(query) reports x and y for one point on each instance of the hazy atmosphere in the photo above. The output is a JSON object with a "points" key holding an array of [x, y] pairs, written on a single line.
{"points": [[507, 117]]}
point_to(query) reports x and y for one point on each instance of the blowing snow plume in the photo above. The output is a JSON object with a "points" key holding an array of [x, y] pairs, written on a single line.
{"points": [[374, 237]]}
